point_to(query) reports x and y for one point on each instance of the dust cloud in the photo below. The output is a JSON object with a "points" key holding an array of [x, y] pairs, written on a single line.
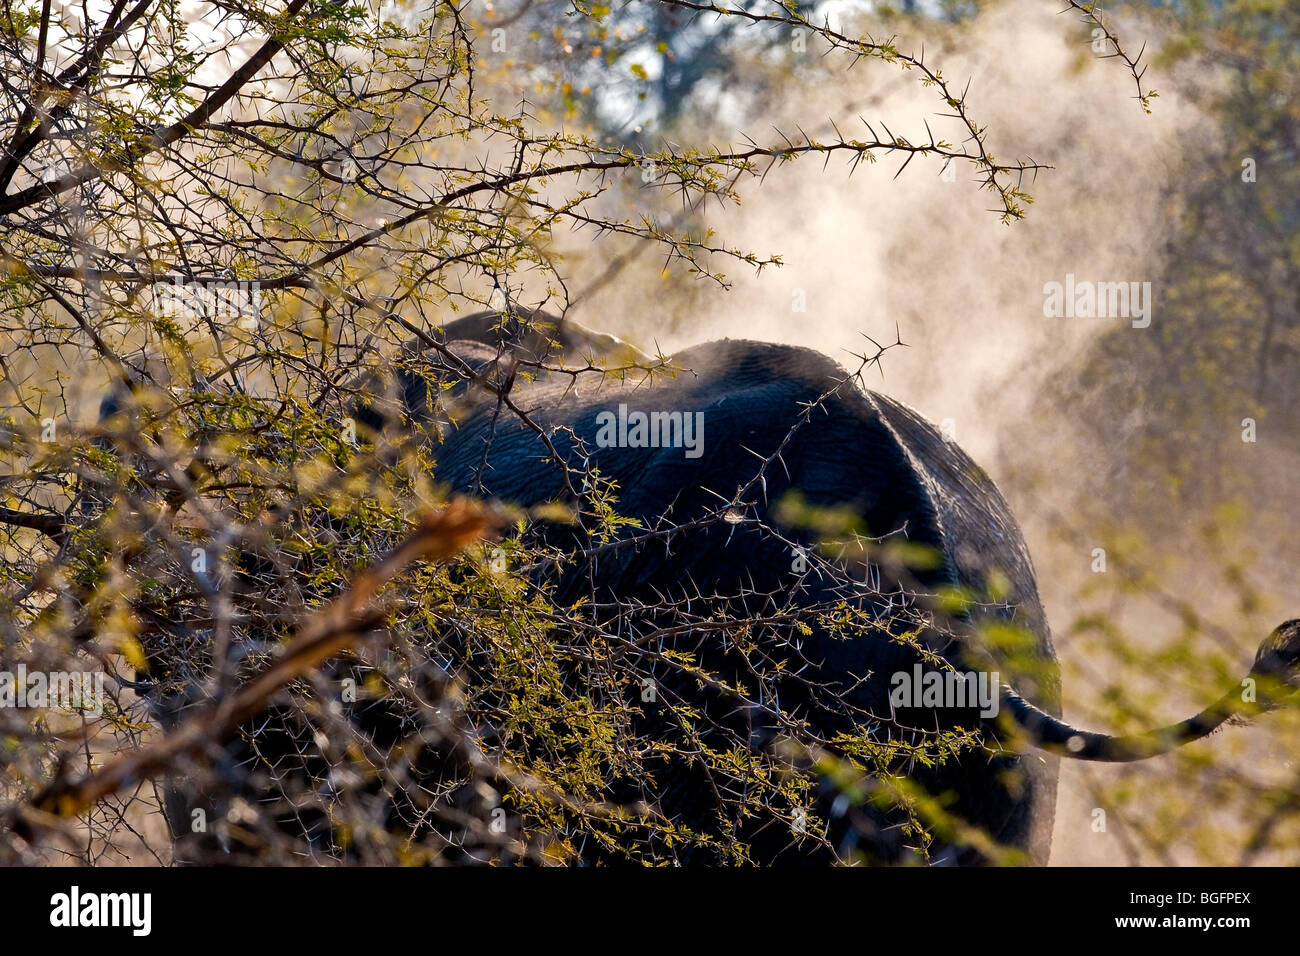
{"points": [[870, 254]]}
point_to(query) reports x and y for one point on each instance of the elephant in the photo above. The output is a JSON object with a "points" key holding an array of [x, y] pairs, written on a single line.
{"points": [[728, 464], [778, 420]]}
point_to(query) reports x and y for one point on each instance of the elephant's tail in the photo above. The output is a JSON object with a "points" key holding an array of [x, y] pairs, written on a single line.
{"points": [[1273, 678]]}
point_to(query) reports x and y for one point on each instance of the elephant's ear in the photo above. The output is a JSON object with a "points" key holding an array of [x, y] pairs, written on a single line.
{"points": [[580, 342], [984, 541], [534, 335]]}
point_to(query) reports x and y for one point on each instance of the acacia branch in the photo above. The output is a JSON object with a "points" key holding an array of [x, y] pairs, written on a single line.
{"points": [[47, 524], [162, 137]]}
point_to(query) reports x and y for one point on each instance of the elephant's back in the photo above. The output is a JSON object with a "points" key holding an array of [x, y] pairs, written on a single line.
{"points": [[749, 397], [800, 419], [792, 416], [832, 439]]}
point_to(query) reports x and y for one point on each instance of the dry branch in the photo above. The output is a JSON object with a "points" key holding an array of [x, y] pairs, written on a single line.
{"points": [[337, 627]]}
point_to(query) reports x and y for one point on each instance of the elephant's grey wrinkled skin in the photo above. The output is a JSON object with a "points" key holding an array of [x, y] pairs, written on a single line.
{"points": [[861, 451]]}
